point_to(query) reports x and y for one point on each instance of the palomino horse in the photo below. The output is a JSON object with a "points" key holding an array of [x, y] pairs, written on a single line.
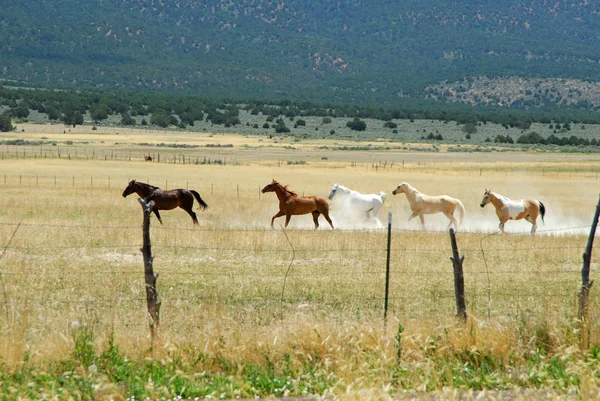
{"points": [[421, 204], [365, 203], [292, 204], [507, 209], [166, 200]]}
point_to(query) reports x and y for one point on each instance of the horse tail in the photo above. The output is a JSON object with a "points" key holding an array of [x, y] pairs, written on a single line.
{"points": [[383, 196], [542, 211], [461, 210], [199, 199]]}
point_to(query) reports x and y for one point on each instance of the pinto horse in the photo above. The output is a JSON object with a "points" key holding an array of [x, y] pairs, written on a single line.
{"points": [[165, 200], [421, 204], [292, 204], [508, 209]]}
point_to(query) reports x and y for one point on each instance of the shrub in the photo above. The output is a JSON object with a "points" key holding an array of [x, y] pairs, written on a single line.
{"points": [[469, 128], [531, 138], [357, 125], [5, 122]]}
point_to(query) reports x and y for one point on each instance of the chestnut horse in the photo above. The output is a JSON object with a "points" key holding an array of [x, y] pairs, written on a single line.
{"points": [[166, 200], [292, 204], [421, 204], [508, 209]]}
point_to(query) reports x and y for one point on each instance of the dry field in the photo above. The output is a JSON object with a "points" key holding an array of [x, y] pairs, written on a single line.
{"points": [[236, 291]]}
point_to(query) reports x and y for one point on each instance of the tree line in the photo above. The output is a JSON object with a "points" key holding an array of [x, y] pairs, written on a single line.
{"points": [[168, 110]]}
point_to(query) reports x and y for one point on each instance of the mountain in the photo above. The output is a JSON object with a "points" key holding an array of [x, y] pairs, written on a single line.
{"points": [[354, 51]]}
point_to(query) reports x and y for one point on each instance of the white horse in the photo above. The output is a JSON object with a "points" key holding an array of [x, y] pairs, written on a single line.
{"points": [[421, 204], [365, 203]]}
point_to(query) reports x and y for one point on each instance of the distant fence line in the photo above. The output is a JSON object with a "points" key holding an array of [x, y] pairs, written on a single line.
{"points": [[177, 155]]}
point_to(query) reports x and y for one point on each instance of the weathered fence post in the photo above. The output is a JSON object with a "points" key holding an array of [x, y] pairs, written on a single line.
{"points": [[586, 284], [151, 293], [387, 267], [459, 280]]}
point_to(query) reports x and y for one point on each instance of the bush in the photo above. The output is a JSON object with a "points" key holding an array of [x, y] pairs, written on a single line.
{"points": [[503, 139], [469, 128], [126, 119], [432, 137], [5, 122], [280, 126], [531, 139], [357, 125], [390, 124]]}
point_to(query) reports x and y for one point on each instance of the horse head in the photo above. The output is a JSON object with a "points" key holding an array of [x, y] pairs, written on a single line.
{"points": [[270, 187], [487, 197], [130, 189], [334, 188], [399, 189]]}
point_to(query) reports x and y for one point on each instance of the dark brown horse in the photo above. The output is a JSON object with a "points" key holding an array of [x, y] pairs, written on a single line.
{"points": [[166, 200], [292, 204], [148, 158]]}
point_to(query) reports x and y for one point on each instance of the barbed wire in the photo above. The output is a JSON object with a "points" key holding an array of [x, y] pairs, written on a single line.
{"points": [[435, 273], [268, 229], [280, 250], [277, 299]]}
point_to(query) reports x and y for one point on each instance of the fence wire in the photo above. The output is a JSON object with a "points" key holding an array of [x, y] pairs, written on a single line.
{"points": [[69, 277]]}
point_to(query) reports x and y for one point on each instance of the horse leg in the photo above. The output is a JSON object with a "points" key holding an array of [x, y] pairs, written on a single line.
{"points": [[450, 216], [501, 226], [192, 214], [422, 220], [368, 215], [279, 214], [533, 226], [287, 219], [155, 211], [315, 215], [412, 216], [326, 215]]}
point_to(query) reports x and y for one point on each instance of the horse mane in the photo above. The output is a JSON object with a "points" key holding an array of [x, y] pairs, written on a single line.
{"points": [[289, 191], [145, 185], [411, 187], [285, 188]]}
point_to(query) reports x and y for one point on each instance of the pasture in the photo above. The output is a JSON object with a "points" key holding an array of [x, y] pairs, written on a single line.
{"points": [[252, 311]]}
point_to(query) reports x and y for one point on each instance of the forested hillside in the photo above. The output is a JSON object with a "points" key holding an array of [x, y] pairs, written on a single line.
{"points": [[358, 51]]}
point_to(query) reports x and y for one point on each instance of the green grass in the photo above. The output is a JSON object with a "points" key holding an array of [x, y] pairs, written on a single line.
{"points": [[190, 372]]}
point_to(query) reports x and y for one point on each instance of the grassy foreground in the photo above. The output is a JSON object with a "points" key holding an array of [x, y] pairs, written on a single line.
{"points": [[72, 306]]}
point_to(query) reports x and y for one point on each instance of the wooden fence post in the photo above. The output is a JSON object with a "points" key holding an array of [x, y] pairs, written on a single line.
{"points": [[152, 300], [586, 284], [459, 280], [387, 267]]}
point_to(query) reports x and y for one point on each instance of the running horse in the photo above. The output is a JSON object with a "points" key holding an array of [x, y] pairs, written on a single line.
{"points": [[365, 203], [291, 204], [507, 209], [166, 200], [421, 204]]}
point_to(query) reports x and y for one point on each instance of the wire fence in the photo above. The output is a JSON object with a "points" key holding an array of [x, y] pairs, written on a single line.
{"points": [[259, 272], [217, 155]]}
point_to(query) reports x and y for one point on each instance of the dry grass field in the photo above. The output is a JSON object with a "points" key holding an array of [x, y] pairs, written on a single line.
{"points": [[249, 311]]}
